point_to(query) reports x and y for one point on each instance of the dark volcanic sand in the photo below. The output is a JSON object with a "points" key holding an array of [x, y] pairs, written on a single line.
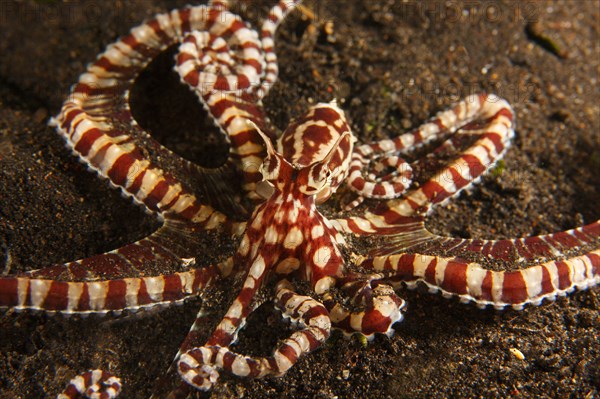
{"points": [[391, 65]]}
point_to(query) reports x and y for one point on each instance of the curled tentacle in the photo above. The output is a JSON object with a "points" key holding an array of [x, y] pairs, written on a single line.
{"points": [[377, 184], [199, 366], [93, 384], [488, 117], [225, 80], [97, 123], [267, 34], [373, 307], [231, 56], [207, 62], [231, 69]]}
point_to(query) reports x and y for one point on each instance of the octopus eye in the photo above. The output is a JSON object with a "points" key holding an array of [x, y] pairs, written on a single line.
{"points": [[324, 190], [270, 168], [267, 169]]}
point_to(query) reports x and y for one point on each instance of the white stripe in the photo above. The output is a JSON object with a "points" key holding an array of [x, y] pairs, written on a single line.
{"points": [[475, 277], [132, 289], [176, 22], [533, 281], [257, 269], [447, 118], [283, 363], [155, 287], [440, 270], [240, 367], [497, 284], [97, 146], [186, 67], [303, 342], [579, 270], [38, 291], [198, 17], [183, 202], [187, 281], [83, 125], [97, 292], [116, 57], [74, 294], [164, 22], [146, 35], [22, 290], [97, 82], [356, 320], [387, 145], [269, 26], [110, 158], [134, 171], [150, 180], [79, 384], [171, 193], [553, 272], [128, 51]]}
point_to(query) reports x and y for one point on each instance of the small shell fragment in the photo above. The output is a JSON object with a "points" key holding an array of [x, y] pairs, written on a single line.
{"points": [[517, 353]]}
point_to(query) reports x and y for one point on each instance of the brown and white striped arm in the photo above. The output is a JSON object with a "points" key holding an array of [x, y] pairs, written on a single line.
{"points": [[198, 367], [267, 35], [471, 282], [516, 250], [106, 295], [232, 85], [97, 124], [380, 307], [93, 384], [285, 235], [376, 184], [486, 116], [170, 384], [118, 279]]}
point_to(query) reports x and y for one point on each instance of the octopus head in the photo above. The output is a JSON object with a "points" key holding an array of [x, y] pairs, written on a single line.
{"points": [[313, 153]]}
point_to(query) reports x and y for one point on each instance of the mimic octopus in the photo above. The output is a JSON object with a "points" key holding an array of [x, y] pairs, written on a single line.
{"points": [[286, 238]]}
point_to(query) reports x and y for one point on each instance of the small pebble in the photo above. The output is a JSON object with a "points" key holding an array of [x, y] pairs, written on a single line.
{"points": [[517, 353]]}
